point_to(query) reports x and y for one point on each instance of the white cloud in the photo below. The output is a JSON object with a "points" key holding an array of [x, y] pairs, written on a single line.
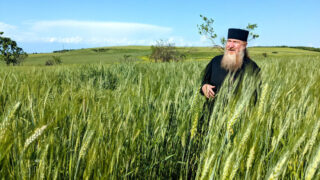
{"points": [[64, 40], [86, 32], [6, 27], [9, 30], [98, 26], [74, 34]]}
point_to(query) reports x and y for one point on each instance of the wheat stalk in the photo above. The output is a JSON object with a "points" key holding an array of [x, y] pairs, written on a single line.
{"points": [[227, 165], [277, 170], [312, 168], [206, 167], [262, 100], [312, 140], [250, 158], [34, 136], [6, 120]]}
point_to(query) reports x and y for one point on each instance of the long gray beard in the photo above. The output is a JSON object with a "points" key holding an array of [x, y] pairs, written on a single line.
{"points": [[232, 62]]}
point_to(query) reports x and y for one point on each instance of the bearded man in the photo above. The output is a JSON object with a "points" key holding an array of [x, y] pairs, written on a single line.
{"points": [[235, 60]]}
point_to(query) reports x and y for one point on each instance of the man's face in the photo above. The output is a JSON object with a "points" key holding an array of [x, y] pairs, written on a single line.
{"points": [[233, 55], [234, 46]]}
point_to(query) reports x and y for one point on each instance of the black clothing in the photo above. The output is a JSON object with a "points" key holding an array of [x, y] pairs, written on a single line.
{"points": [[215, 74]]}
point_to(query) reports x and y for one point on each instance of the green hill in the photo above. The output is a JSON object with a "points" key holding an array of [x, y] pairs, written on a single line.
{"points": [[107, 55]]}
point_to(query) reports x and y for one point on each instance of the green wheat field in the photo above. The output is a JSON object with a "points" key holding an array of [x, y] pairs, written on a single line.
{"points": [[110, 113]]}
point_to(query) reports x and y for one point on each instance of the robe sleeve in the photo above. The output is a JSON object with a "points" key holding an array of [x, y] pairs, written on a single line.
{"points": [[206, 75]]}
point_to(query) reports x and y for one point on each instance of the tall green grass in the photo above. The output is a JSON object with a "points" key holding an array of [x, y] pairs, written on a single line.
{"points": [[146, 121]]}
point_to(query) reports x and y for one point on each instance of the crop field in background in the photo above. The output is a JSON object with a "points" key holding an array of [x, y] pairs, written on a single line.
{"points": [[109, 55], [97, 116]]}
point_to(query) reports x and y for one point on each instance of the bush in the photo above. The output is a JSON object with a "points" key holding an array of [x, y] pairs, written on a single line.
{"points": [[264, 54], [63, 51], [54, 61], [165, 52], [127, 58], [50, 62], [100, 50]]}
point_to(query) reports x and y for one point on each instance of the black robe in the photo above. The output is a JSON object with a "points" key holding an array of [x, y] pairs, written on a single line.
{"points": [[215, 74]]}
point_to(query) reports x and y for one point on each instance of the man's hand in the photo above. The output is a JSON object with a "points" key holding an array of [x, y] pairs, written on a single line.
{"points": [[207, 90]]}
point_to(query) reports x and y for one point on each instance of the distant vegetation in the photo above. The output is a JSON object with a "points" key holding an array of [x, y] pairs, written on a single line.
{"points": [[165, 52], [63, 50], [56, 60], [100, 49], [111, 55], [307, 48], [296, 47], [10, 52]]}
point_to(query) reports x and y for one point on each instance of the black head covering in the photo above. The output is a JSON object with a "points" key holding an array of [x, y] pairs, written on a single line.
{"points": [[239, 34]]}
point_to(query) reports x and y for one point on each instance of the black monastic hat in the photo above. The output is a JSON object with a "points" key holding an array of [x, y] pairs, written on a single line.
{"points": [[239, 34]]}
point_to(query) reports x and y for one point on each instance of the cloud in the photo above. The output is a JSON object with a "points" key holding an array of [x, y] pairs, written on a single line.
{"points": [[44, 36], [67, 40], [86, 32], [6, 27]]}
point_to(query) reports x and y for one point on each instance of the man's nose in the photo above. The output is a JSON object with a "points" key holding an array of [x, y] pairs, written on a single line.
{"points": [[231, 44]]}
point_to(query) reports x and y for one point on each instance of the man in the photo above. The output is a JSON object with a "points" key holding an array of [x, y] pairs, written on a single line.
{"points": [[235, 60]]}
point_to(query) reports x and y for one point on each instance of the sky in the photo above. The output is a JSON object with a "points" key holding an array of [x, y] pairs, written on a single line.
{"points": [[45, 26]]}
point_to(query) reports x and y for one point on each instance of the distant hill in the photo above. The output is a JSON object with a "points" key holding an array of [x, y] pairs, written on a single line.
{"points": [[297, 47], [107, 55]]}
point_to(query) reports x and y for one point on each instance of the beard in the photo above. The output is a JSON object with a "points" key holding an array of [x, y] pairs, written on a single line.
{"points": [[232, 61]]}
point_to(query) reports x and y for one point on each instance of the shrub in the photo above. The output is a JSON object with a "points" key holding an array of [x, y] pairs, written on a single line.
{"points": [[63, 51], [54, 61], [127, 58], [165, 52], [50, 62], [100, 50]]}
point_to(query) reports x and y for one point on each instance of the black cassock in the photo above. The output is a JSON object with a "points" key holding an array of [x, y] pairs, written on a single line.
{"points": [[215, 74]]}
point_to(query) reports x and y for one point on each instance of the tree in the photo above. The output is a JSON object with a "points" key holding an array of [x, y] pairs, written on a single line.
{"points": [[165, 52], [10, 53], [206, 29]]}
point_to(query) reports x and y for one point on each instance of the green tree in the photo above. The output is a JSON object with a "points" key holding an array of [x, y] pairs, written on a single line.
{"points": [[206, 29], [10, 53]]}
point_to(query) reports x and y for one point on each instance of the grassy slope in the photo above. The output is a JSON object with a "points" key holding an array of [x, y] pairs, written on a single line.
{"points": [[116, 54], [89, 56]]}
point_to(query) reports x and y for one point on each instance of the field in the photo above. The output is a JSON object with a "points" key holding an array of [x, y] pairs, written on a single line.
{"points": [[109, 55], [100, 115]]}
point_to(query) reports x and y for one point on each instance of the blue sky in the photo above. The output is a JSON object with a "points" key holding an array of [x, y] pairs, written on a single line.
{"points": [[44, 26]]}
